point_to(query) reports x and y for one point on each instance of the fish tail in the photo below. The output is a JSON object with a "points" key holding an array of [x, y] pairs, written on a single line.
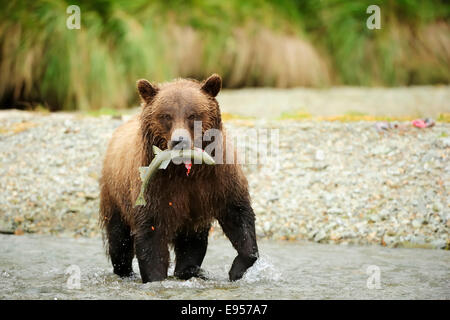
{"points": [[156, 150], [140, 201]]}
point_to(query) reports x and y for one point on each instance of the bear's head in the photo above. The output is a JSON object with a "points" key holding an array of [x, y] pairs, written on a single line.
{"points": [[170, 111]]}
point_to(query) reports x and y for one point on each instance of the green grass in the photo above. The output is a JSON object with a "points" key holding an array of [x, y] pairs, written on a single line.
{"points": [[444, 117], [353, 113], [250, 43], [232, 116], [295, 115], [350, 116], [412, 245]]}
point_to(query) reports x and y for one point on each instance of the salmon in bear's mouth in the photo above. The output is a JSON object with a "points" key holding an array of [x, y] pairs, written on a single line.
{"points": [[188, 163]]}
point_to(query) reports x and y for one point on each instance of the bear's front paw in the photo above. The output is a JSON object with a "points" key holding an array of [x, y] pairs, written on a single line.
{"points": [[240, 266], [236, 273], [189, 272], [124, 272]]}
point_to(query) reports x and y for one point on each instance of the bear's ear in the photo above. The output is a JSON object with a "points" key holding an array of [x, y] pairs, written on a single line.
{"points": [[212, 85], [146, 90]]}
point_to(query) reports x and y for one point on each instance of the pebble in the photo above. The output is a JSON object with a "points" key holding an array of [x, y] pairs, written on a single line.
{"points": [[320, 155], [321, 235], [416, 223]]}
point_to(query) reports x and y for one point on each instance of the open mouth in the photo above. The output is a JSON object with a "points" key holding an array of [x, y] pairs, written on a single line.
{"points": [[188, 166], [186, 162]]}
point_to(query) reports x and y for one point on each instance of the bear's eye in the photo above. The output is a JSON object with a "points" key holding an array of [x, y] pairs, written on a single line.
{"points": [[192, 117], [165, 117]]}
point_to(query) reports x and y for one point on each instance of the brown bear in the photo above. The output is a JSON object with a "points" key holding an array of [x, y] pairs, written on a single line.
{"points": [[180, 208]]}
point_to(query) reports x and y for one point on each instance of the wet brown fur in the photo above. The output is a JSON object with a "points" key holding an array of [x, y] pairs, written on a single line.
{"points": [[175, 201]]}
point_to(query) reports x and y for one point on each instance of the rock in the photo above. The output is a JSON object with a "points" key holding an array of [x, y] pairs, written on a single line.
{"points": [[380, 149], [443, 143], [320, 155], [335, 210], [417, 223], [390, 241], [438, 207], [439, 244], [420, 240], [321, 235], [19, 232]]}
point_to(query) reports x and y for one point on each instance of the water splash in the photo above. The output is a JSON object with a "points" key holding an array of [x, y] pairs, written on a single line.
{"points": [[262, 270]]}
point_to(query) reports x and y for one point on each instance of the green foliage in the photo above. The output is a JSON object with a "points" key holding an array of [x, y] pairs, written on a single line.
{"points": [[250, 43], [389, 56]]}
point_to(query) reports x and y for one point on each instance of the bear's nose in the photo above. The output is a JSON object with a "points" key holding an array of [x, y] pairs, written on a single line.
{"points": [[180, 139], [180, 142]]}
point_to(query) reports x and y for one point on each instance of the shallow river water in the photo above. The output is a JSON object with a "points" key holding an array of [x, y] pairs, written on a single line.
{"points": [[47, 267]]}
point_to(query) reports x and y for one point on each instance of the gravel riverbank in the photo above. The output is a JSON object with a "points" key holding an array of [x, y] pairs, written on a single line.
{"points": [[335, 182]]}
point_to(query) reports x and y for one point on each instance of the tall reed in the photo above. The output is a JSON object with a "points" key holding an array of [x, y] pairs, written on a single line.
{"points": [[250, 43]]}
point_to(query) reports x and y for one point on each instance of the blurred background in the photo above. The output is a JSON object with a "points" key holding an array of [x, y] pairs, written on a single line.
{"points": [[253, 43]]}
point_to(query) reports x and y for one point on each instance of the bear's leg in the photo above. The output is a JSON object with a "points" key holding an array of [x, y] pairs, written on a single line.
{"points": [[190, 249], [152, 253], [120, 245], [238, 224]]}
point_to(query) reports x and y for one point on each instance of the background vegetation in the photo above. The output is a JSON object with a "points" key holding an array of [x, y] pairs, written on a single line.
{"points": [[250, 43]]}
